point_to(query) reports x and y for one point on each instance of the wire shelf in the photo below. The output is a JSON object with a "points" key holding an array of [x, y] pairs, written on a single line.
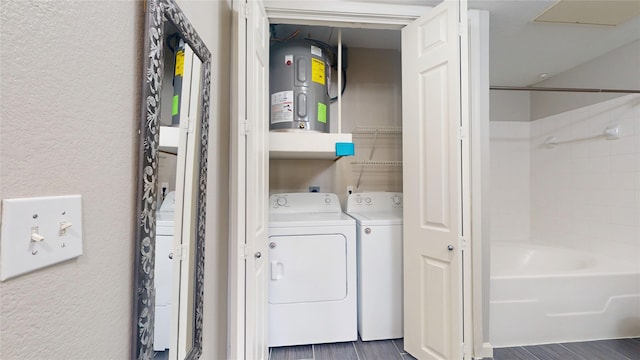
{"points": [[372, 130], [377, 163]]}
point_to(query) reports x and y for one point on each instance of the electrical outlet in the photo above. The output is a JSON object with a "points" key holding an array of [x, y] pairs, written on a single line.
{"points": [[314, 188]]}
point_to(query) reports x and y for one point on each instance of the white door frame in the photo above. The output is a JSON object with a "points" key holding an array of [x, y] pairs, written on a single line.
{"points": [[479, 185], [345, 14], [237, 188]]}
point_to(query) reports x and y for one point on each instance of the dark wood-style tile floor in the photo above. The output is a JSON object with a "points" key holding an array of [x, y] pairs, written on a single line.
{"points": [[357, 350], [619, 349], [161, 355]]}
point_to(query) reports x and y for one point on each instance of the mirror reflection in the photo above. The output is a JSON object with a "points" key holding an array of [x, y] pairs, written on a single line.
{"points": [[169, 256], [177, 193]]}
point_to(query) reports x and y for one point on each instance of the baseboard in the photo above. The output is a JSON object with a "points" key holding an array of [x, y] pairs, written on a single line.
{"points": [[486, 352]]}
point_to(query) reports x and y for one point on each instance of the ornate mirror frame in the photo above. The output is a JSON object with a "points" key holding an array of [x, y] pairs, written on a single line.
{"points": [[157, 12]]}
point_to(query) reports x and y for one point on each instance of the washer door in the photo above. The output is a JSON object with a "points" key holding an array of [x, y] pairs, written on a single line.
{"points": [[308, 268]]}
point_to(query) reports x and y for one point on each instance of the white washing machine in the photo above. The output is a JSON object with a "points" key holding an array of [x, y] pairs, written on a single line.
{"points": [[379, 241], [312, 255], [163, 272]]}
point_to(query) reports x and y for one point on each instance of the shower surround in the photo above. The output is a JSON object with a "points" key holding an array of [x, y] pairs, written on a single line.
{"points": [[580, 200], [582, 193]]}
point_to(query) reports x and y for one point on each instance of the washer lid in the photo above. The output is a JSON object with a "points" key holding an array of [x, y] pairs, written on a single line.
{"points": [[169, 203], [391, 217], [310, 219]]}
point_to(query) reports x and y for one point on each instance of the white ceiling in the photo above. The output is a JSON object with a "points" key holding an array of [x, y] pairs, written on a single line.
{"points": [[521, 50]]}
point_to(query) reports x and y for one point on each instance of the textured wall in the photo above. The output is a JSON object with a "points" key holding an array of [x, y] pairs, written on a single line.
{"points": [[69, 109]]}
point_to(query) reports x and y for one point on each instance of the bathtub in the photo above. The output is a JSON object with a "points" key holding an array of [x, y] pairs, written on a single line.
{"points": [[543, 294]]}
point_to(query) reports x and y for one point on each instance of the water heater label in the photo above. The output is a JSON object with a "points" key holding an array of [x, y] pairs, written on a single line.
{"points": [[322, 113], [316, 51], [317, 70], [179, 63], [281, 107]]}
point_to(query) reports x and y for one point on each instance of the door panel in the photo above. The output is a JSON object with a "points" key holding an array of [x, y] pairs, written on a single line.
{"points": [[436, 276], [257, 175], [434, 146], [431, 82]]}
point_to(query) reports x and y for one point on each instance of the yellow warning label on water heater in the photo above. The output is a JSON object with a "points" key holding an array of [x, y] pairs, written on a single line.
{"points": [[179, 63], [317, 70]]}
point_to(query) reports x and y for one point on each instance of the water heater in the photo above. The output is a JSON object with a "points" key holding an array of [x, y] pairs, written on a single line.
{"points": [[299, 86]]}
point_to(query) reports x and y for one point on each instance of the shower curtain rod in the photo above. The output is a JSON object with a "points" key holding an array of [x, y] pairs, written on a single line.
{"points": [[533, 88]]}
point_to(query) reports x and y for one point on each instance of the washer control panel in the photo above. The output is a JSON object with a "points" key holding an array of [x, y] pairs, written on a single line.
{"points": [[374, 201], [304, 203]]}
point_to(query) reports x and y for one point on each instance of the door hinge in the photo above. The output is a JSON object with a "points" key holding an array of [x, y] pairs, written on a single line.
{"points": [[244, 127], [464, 244], [180, 250], [244, 251], [460, 133], [188, 126], [247, 10], [461, 28]]}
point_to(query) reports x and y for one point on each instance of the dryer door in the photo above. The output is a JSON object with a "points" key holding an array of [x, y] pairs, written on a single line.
{"points": [[307, 268]]}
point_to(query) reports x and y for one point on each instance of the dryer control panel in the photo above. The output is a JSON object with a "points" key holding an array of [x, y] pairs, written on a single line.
{"points": [[374, 201], [287, 203]]}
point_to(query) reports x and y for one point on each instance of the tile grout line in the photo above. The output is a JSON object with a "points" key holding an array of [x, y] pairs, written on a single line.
{"points": [[397, 348], [571, 351], [529, 352], [353, 343]]}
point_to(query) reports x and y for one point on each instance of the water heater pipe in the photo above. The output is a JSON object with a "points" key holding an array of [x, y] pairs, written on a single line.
{"points": [[339, 81]]}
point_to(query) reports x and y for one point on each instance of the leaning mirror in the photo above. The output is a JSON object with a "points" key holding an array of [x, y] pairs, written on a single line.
{"points": [[171, 191]]}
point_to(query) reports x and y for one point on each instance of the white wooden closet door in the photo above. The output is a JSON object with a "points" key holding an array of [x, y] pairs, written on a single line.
{"points": [[431, 93], [257, 177]]}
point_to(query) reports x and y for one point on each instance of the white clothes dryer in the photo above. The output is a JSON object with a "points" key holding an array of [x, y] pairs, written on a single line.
{"points": [[378, 217], [312, 256], [163, 272]]}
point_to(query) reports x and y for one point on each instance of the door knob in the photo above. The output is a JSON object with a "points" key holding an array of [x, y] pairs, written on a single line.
{"points": [[450, 247], [258, 255]]}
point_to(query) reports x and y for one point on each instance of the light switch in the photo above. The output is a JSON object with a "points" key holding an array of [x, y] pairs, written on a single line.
{"points": [[39, 232]]}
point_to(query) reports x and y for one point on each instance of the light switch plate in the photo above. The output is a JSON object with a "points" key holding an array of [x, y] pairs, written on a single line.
{"points": [[39, 232]]}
